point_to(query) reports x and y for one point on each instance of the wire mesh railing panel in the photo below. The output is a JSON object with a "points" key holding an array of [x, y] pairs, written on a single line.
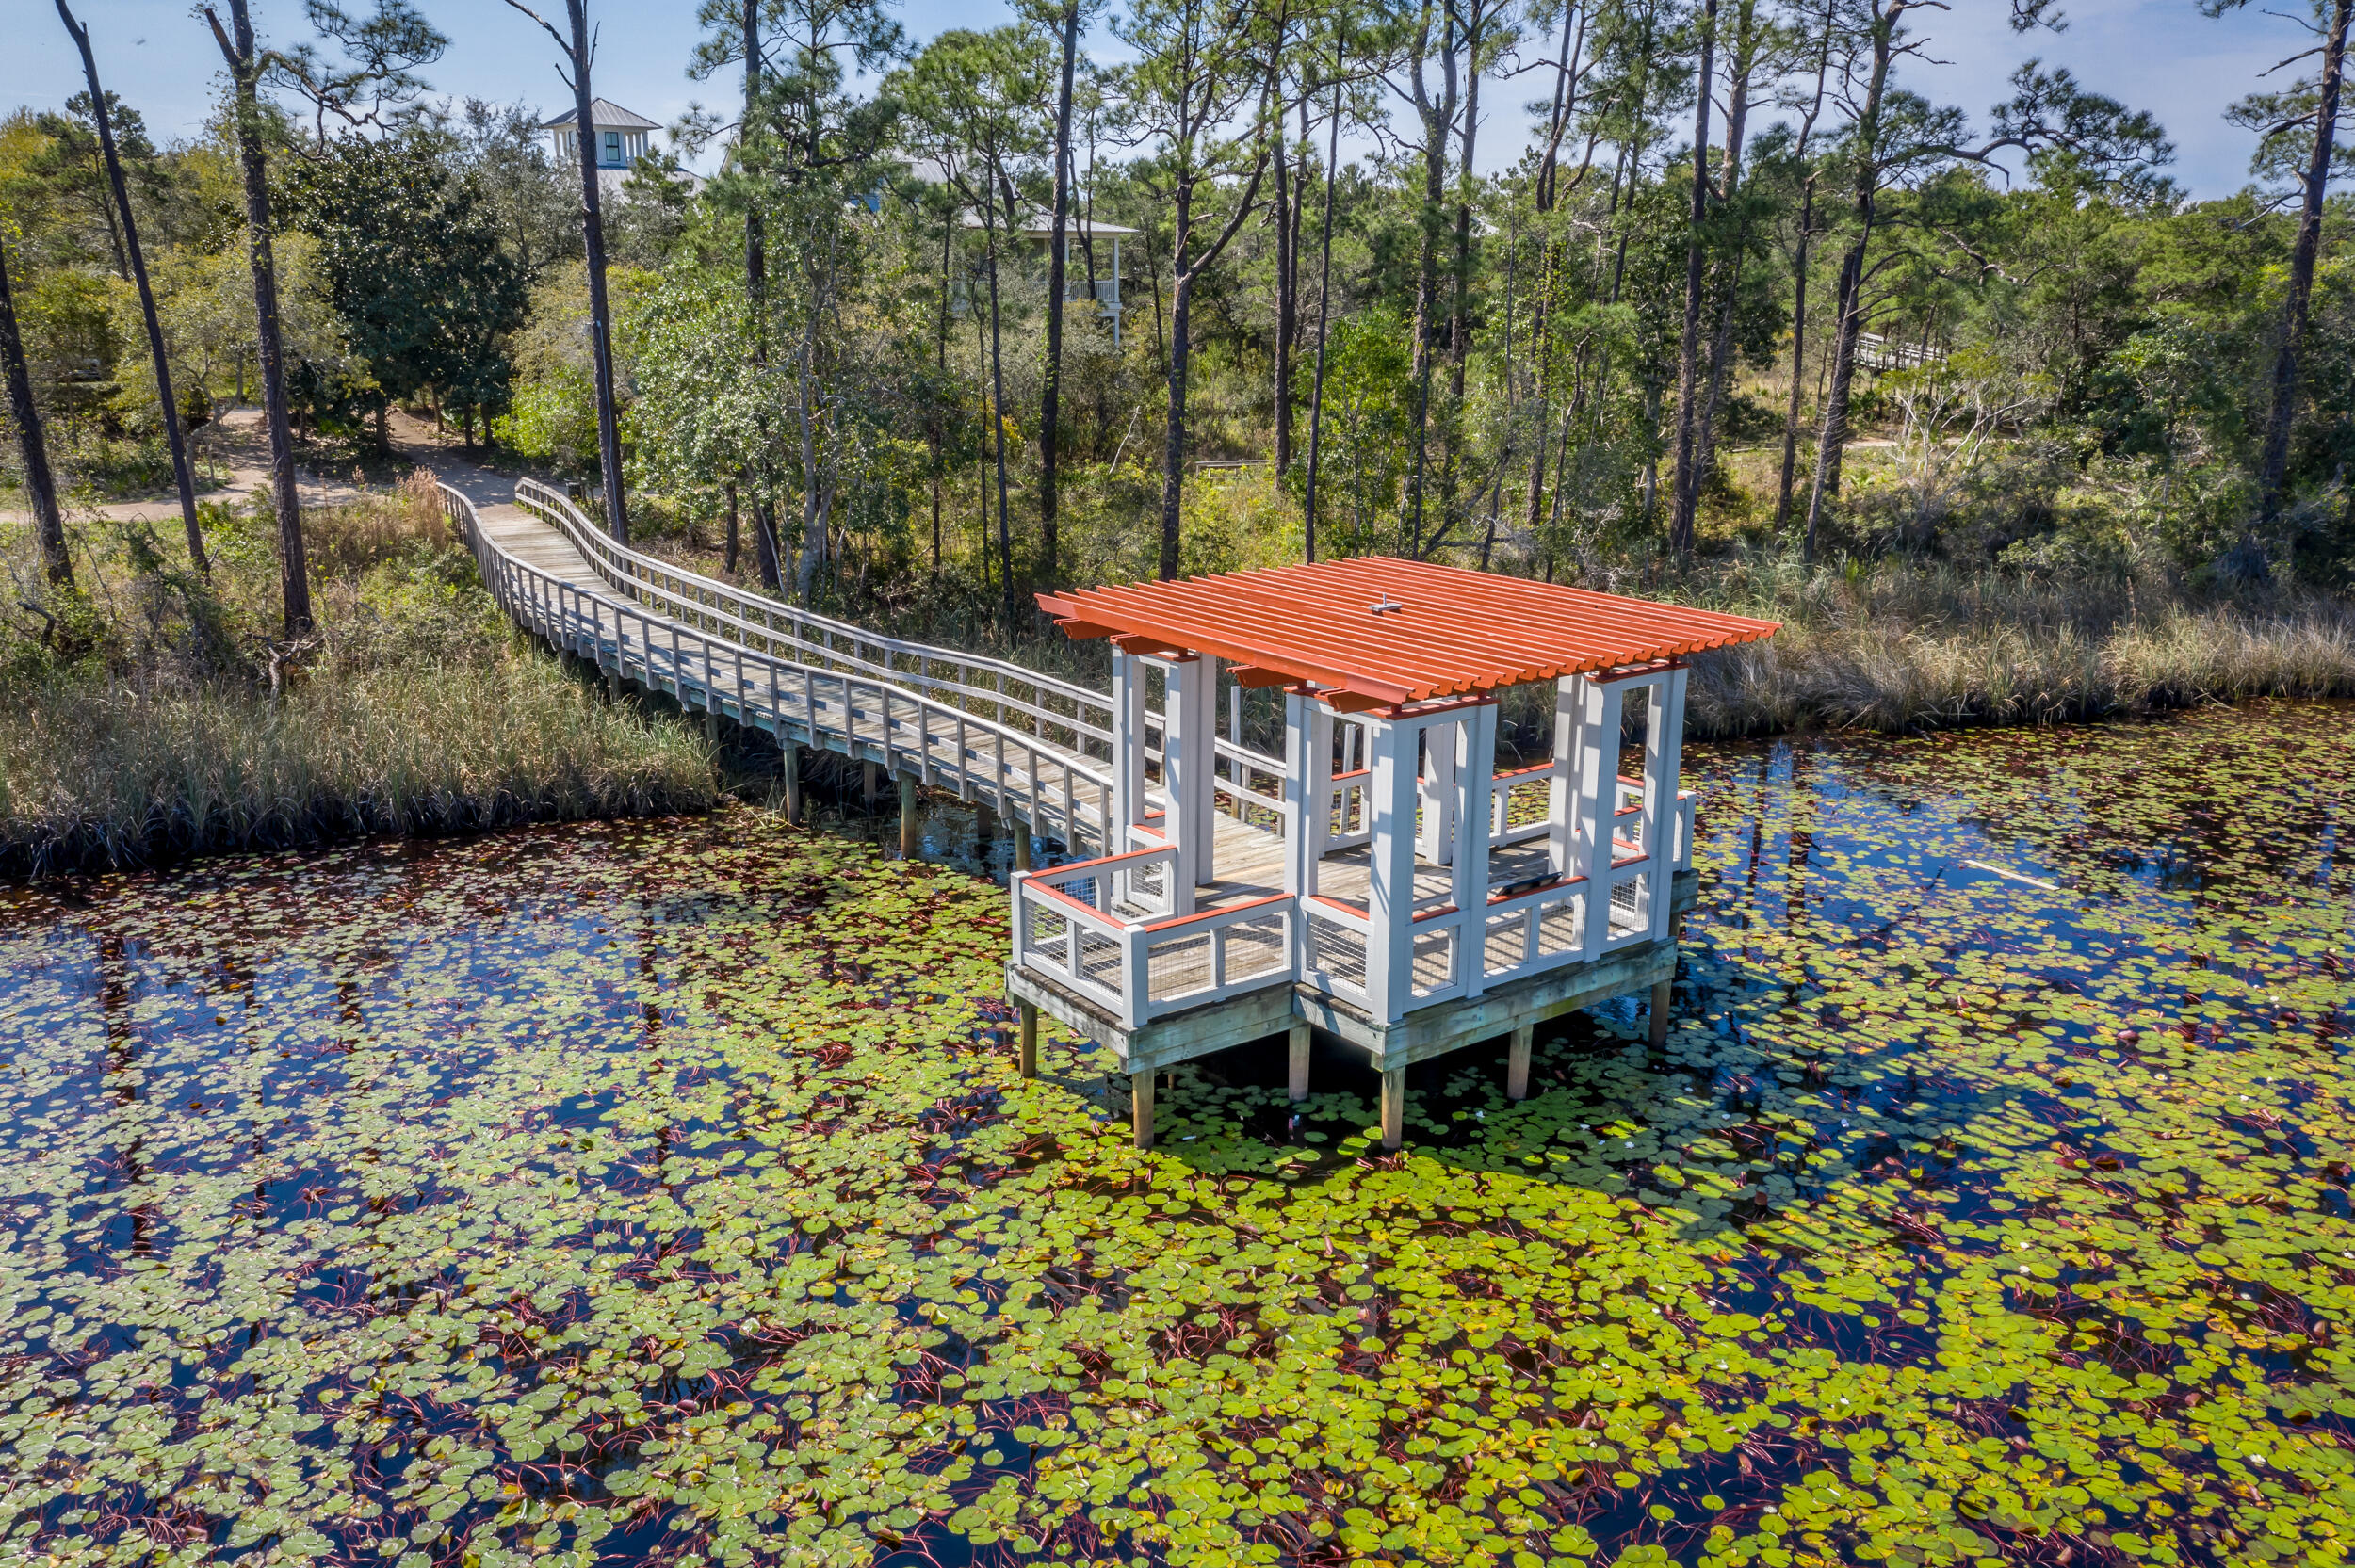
{"points": [[1100, 958], [1505, 946], [1338, 951], [1256, 947], [1179, 968], [1562, 928], [1434, 960]]}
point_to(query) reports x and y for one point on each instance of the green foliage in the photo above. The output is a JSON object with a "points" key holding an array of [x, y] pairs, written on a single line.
{"points": [[1369, 410], [416, 269]]}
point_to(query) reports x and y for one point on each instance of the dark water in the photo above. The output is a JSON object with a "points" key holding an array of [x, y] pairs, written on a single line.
{"points": [[663, 1191]]}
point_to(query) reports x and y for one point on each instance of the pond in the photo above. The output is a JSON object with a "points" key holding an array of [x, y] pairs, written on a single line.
{"points": [[664, 1193]]}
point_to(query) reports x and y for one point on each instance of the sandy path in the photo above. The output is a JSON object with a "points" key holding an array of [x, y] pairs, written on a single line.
{"points": [[243, 446]]}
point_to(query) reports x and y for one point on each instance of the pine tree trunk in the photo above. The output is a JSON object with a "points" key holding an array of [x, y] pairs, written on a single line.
{"points": [[756, 475], [40, 483], [294, 580], [1798, 356], [1050, 394], [1174, 437], [1285, 306], [1324, 306], [600, 312], [182, 474], [2273, 470], [1834, 434], [1687, 485], [997, 423]]}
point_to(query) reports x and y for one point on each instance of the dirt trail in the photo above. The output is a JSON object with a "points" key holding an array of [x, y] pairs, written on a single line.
{"points": [[241, 444]]}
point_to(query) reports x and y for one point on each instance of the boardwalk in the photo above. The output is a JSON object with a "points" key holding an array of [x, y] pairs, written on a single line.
{"points": [[1030, 745]]}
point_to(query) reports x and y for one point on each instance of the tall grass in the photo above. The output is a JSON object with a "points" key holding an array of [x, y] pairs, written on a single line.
{"points": [[1905, 646], [154, 715]]}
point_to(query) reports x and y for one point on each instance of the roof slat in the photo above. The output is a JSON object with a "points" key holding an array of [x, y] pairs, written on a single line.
{"points": [[1442, 631]]}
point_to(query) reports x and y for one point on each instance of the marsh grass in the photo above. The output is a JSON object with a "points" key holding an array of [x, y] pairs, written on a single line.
{"points": [[156, 715], [1902, 646]]}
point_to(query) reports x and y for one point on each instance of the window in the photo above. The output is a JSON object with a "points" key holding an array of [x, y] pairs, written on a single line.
{"points": [[613, 147]]}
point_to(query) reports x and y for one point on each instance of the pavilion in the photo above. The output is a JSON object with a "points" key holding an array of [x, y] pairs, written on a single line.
{"points": [[1382, 881]]}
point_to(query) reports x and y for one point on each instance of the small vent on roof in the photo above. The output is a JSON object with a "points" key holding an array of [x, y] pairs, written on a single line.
{"points": [[1387, 607]]}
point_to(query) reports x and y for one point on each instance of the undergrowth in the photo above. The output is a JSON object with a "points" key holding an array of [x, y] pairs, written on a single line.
{"points": [[157, 713]]}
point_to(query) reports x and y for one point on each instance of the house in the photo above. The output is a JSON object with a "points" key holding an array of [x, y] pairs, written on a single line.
{"points": [[619, 137], [1079, 233]]}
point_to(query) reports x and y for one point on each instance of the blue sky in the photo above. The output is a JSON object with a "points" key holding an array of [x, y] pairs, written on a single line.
{"points": [[2159, 55]]}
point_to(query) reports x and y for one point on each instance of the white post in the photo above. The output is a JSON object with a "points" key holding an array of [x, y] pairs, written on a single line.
{"points": [[1316, 771], [1664, 756], [1598, 754], [1128, 761], [1569, 708], [1390, 894], [1435, 838], [1188, 747], [1474, 743]]}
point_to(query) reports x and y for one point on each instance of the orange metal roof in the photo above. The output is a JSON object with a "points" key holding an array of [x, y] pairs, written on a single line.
{"points": [[1446, 632]]}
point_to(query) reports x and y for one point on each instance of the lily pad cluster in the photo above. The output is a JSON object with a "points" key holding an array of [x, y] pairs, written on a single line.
{"points": [[665, 1193]]}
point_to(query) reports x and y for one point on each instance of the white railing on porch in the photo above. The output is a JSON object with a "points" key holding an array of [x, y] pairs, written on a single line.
{"points": [[1089, 926]]}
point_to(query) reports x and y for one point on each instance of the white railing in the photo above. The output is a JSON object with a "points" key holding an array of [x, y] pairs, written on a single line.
{"points": [[1508, 794], [1539, 928], [1350, 800], [1082, 925], [872, 717], [1251, 781], [1008, 693], [1334, 953]]}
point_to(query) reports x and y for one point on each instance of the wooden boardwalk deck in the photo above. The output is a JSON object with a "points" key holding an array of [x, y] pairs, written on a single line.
{"points": [[990, 732]]}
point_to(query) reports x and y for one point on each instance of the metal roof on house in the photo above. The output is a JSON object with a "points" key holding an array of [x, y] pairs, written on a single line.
{"points": [[604, 116], [1375, 630]]}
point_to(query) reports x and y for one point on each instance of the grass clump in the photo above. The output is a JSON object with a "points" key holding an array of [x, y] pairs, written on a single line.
{"points": [[156, 714]]}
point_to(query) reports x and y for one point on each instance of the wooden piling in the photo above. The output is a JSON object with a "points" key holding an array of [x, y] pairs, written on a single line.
{"points": [[1021, 844], [1393, 1108], [1297, 1083], [1141, 1108], [789, 765], [711, 726], [1030, 1039], [1662, 994], [907, 843], [871, 781], [1516, 1062]]}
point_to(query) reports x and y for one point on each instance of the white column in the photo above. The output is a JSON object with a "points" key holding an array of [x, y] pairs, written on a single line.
{"points": [[1596, 792], [1128, 761], [1664, 756], [1189, 716], [1569, 712], [1474, 742], [1390, 897], [1307, 790], [1435, 839]]}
